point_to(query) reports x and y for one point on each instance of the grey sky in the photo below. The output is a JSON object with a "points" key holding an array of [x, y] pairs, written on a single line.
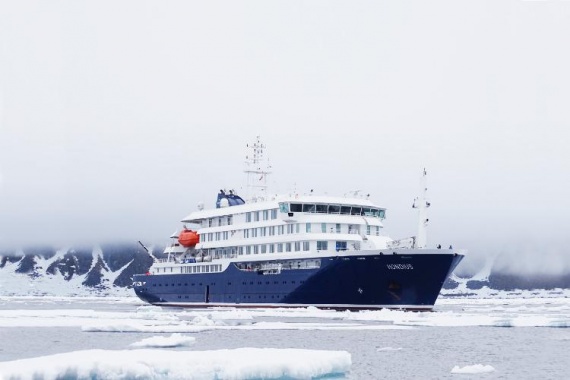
{"points": [[118, 117]]}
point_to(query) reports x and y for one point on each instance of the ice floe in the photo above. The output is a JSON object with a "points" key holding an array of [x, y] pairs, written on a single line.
{"points": [[545, 312], [241, 363], [473, 369], [174, 340], [388, 349]]}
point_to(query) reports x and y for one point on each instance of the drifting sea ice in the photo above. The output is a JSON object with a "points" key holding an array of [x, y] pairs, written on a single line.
{"points": [[175, 340], [387, 343], [241, 363], [473, 369], [553, 312]]}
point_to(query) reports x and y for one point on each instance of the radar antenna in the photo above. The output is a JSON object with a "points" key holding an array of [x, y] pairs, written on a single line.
{"points": [[422, 205], [257, 170]]}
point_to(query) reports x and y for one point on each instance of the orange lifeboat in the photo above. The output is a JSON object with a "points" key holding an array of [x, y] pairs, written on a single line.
{"points": [[188, 238]]}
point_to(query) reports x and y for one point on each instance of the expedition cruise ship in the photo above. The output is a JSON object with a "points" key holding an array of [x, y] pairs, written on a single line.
{"points": [[294, 251]]}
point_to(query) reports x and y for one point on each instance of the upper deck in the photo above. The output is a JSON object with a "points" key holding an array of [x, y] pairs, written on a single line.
{"points": [[289, 224], [305, 204]]}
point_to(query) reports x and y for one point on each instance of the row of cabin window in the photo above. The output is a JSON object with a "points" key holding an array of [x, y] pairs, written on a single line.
{"points": [[290, 228], [222, 221], [254, 216], [193, 269], [298, 246]]}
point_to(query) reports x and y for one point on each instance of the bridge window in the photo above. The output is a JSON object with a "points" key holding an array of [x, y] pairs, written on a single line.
{"points": [[322, 209], [334, 209], [308, 207], [296, 207], [356, 211]]}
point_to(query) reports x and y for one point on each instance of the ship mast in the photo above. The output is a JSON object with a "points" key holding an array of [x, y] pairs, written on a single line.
{"points": [[422, 205], [257, 170]]}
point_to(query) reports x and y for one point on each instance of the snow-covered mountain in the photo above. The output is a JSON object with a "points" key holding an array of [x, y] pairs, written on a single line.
{"points": [[107, 269], [100, 270]]}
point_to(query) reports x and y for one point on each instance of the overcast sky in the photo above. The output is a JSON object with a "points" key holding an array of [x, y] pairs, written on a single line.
{"points": [[118, 117]]}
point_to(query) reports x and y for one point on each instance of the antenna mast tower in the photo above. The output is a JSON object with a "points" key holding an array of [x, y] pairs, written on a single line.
{"points": [[422, 204], [257, 170]]}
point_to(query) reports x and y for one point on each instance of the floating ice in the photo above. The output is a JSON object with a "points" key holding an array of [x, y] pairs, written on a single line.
{"points": [[472, 369], [202, 320], [144, 327], [175, 340], [241, 363], [546, 312], [183, 327], [388, 349]]}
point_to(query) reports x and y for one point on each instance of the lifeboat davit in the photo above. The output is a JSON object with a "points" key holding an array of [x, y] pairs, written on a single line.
{"points": [[188, 238]]}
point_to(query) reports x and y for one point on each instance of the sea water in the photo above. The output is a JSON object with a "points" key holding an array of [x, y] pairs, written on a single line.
{"points": [[491, 338]]}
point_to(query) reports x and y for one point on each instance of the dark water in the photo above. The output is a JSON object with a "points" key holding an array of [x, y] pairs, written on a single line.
{"points": [[417, 353]]}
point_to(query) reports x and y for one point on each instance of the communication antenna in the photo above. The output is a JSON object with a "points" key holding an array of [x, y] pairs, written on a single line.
{"points": [[422, 205], [257, 169]]}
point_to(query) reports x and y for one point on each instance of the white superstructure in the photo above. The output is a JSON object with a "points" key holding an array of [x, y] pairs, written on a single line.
{"points": [[292, 226]]}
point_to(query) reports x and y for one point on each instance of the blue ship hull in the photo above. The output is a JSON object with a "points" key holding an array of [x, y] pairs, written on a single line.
{"points": [[403, 281]]}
